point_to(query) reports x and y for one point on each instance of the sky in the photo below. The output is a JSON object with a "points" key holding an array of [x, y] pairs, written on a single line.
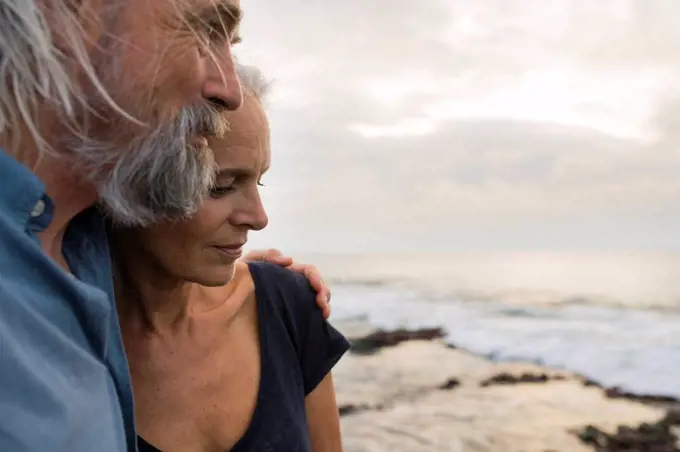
{"points": [[448, 125]]}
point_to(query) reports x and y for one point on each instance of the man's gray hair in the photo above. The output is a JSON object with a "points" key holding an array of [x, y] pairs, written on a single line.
{"points": [[158, 175], [253, 81], [32, 67]]}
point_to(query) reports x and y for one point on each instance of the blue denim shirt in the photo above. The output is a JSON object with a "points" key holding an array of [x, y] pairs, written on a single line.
{"points": [[64, 380]]}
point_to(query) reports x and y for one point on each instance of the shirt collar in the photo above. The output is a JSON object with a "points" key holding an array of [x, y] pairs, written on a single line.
{"points": [[20, 190]]}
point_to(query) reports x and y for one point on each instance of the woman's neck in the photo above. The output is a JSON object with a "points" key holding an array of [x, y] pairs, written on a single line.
{"points": [[148, 297]]}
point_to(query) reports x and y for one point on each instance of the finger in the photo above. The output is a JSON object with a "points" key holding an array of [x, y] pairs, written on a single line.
{"points": [[314, 277], [257, 255], [322, 300], [283, 261], [270, 255], [273, 253], [323, 295]]}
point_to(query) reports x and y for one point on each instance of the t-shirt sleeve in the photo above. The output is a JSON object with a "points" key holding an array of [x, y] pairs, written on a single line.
{"points": [[318, 344], [321, 349]]}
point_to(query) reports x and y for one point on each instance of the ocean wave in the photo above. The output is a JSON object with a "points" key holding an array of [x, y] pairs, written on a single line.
{"points": [[638, 350], [366, 282], [511, 297], [522, 298]]}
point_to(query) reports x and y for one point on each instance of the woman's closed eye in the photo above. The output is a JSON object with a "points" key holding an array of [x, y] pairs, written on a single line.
{"points": [[222, 189], [223, 186]]}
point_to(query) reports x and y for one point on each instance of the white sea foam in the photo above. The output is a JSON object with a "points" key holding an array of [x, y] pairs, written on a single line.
{"points": [[588, 323]]}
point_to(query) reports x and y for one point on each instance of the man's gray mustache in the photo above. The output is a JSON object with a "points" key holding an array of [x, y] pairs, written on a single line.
{"points": [[204, 121]]}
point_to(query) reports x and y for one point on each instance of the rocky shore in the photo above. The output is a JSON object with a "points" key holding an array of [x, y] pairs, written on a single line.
{"points": [[408, 391]]}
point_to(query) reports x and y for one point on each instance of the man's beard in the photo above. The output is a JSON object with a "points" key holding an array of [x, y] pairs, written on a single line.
{"points": [[163, 174]]}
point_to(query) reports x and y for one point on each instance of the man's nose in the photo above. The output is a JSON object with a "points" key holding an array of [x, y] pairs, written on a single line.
{"points": [[222, 87]]}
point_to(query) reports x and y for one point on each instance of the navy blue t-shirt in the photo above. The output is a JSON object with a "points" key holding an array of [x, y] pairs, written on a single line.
{"points": [[299, 348]]}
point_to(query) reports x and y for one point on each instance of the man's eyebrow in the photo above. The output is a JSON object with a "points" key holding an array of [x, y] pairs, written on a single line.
{"points": [[223, 12]]}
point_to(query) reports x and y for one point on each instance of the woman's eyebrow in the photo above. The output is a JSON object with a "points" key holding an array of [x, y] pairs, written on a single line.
{"points": [[235, 172]]}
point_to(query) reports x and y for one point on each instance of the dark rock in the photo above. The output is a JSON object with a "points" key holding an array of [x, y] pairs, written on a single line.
{"points": [[350, 408], [589, 382], [505, 378], [347, 409], [672, 418], [618, 393], [644, 438], [450, 384], [379, 339]]}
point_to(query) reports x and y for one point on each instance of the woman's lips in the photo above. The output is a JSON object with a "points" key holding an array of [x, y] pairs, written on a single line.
{"points": [[232, 252]]}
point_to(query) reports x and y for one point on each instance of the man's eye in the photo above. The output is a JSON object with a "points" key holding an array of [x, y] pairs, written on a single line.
{"points": [[217, 33]]}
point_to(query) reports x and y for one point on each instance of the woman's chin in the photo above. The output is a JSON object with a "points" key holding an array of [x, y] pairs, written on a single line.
{"points": [[217, 277]]}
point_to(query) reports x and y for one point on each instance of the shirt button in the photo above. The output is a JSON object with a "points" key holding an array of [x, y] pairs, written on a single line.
{"points": [[38, 209]]}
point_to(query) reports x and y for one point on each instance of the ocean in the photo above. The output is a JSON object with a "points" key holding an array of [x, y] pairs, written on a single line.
{"points": [[612, 317]]}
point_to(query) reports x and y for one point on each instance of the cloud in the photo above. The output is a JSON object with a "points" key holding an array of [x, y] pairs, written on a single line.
{"points": [[441, 125]]}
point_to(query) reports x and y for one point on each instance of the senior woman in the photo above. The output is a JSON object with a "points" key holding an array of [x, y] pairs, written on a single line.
{"points": [[224, 355]]}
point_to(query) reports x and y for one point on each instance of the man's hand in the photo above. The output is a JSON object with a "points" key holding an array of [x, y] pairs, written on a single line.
{"points": [[323, 293]]}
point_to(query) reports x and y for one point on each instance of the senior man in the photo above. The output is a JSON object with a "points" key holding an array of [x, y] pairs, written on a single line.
{"points": [[108, 102]]}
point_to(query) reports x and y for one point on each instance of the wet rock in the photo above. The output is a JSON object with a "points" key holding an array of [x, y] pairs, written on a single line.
{"points": [[379, 339], [646, 437], [672, 418], [618, 393], [350, 408], [505, 378], [450, 384]]}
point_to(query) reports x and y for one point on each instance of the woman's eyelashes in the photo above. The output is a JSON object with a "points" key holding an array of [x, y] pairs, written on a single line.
{"points": [[219, 191], [222, 189]]}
